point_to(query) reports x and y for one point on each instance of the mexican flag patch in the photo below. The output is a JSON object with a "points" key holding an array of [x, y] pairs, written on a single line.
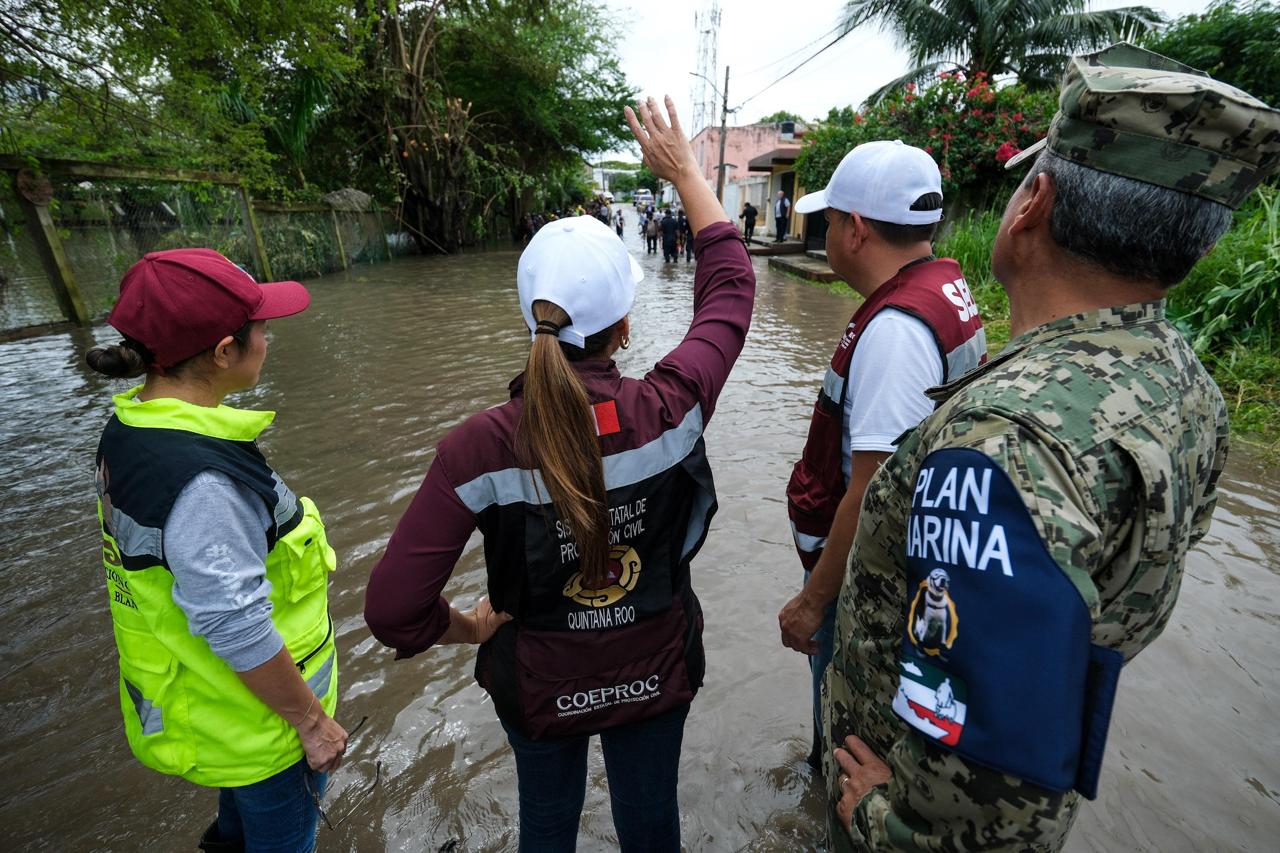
{"points": [[930, 700]]}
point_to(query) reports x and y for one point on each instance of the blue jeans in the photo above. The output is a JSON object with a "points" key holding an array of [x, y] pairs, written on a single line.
{"points": [[818, 666], [276, 815], [643, 764]]}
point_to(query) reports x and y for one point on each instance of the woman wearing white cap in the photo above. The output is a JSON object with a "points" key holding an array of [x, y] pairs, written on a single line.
{"points": [[593, 494]]}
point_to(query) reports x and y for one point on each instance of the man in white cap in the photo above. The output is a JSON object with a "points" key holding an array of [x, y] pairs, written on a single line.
{"points": [[916, 328]]}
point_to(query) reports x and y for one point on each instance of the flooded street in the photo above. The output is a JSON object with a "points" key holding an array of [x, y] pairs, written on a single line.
{"points": [[387, 360]]}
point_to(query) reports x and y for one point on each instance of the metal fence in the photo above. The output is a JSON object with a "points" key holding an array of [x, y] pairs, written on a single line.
{"points": [[62, 255]]}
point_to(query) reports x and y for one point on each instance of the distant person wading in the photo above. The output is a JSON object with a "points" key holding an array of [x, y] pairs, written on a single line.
{"points": [[593, 494]]}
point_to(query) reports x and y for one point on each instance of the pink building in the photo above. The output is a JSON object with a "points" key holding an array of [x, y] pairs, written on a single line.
{"points": [[759, 160]]}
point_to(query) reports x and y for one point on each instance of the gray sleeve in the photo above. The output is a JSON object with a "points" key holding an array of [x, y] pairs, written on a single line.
{"points": [[215, 541]]}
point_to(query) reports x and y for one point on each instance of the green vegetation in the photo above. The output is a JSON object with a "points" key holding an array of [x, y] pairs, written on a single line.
{"points": [[1228, 307], [1029, 39], [454, 114], [780, 115], [647, 179], [1238, 43], [623, 184], [969, 126]]}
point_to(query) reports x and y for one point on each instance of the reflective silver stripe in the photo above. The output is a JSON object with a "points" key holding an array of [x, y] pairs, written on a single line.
{"points": [[965, 357], [807, 543], [521, 485], [134, 539], [286, 500], [149, 715], [665, 451], [319, 681], [508, 486], [833, 384]]}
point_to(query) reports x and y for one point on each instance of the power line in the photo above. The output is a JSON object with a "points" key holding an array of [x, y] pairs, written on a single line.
{"points": [[800, 49], [795, 69]]}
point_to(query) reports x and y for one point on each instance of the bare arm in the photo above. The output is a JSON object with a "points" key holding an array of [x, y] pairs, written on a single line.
{"points": [[802, 615], [281, 688]]}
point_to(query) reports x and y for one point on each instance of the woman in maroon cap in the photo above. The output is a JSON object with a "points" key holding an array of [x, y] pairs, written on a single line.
{"points": [[217, 573], [593, 493]]}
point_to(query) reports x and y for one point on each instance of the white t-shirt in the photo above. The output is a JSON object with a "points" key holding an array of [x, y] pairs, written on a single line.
{"points": [[895, 361]]}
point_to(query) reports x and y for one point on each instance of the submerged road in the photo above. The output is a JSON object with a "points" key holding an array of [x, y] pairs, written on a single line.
{"points": [[387, 360]]}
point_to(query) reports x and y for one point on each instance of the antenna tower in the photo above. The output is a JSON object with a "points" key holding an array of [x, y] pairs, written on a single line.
{"points": [[702, 92]]}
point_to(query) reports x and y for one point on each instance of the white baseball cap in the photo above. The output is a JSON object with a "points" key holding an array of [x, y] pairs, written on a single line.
{"points": [[579, 264], [880, 180]]}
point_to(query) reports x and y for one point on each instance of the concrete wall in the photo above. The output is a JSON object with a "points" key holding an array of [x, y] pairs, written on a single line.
{"points": [[755, 190], [742, 144]]}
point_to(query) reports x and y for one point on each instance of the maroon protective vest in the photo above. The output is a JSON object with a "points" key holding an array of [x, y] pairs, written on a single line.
{"points": [[577, 660], [933, 291]]}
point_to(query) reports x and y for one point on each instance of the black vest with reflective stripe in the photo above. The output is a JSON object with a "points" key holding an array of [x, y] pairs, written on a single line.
{"points": [[573, 659]]}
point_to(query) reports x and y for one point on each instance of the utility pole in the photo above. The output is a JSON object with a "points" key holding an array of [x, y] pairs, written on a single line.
{"points": [[724, 120]]}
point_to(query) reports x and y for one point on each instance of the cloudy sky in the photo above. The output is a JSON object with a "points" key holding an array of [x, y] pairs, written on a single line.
{"points": [[760, 40]]}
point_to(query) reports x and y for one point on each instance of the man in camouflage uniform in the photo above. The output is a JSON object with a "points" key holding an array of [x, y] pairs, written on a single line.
{"points": [[1028, 537]]}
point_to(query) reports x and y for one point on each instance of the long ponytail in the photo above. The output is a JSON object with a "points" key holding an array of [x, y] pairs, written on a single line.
{"points": [[557, 434]]}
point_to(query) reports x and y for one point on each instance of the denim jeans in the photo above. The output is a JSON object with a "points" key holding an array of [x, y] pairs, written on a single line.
{"points": [[276, 815], [818, 666], [643, 764]]}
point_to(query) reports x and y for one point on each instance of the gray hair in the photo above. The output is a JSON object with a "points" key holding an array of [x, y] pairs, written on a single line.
{"points": [[1127, 227]]}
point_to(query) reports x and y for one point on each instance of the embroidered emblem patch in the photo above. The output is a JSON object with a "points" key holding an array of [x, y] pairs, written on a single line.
{"points": [[933, 701], [624, 573], [932, 622]]}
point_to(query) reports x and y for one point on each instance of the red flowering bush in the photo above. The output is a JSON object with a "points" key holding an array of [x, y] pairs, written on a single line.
{"points": [[968, 125]]}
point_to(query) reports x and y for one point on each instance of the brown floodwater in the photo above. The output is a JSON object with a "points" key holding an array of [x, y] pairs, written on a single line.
{"points": [[387, 360]]}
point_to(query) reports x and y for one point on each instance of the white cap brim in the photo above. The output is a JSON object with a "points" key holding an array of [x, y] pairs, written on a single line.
{"points": [[812, 202], [1026, 154]]}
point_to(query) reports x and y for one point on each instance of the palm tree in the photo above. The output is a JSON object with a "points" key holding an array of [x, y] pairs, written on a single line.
{"points": [[1029, 39]]}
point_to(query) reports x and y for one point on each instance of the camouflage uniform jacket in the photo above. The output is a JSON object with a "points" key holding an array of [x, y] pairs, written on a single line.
{"points": [[1113, 435]]}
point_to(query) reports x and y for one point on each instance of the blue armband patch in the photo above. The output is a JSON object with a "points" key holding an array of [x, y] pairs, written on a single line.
{"points": [[996, 662]]}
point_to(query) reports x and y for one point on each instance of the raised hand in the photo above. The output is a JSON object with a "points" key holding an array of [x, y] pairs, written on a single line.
{"points": [[669, 156], [663, 144]]}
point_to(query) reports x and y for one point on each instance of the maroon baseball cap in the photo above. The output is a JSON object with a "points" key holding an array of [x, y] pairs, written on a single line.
{"points": [[181, 302]]}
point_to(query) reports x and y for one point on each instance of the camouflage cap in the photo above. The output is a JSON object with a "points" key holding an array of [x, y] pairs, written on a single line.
{"points": [[1135, 113]]}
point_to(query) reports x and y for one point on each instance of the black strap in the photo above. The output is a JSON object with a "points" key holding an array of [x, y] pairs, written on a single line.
{"points": [[546, 327]]}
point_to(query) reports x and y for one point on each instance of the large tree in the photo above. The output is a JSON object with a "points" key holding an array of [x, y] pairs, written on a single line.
{"points": [[475, 109], [1029, 39], [176, 82], [458, 112]]}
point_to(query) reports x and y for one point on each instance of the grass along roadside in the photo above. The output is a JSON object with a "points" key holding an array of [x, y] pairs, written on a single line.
{"points": [[1229, 307]]}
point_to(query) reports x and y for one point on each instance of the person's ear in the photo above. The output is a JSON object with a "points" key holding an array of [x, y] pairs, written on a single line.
{"points": [[1035, 207], [857, 232], [223, 357]]}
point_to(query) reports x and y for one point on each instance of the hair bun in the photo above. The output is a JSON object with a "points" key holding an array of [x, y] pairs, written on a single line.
{"points": [[119, 361]]}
